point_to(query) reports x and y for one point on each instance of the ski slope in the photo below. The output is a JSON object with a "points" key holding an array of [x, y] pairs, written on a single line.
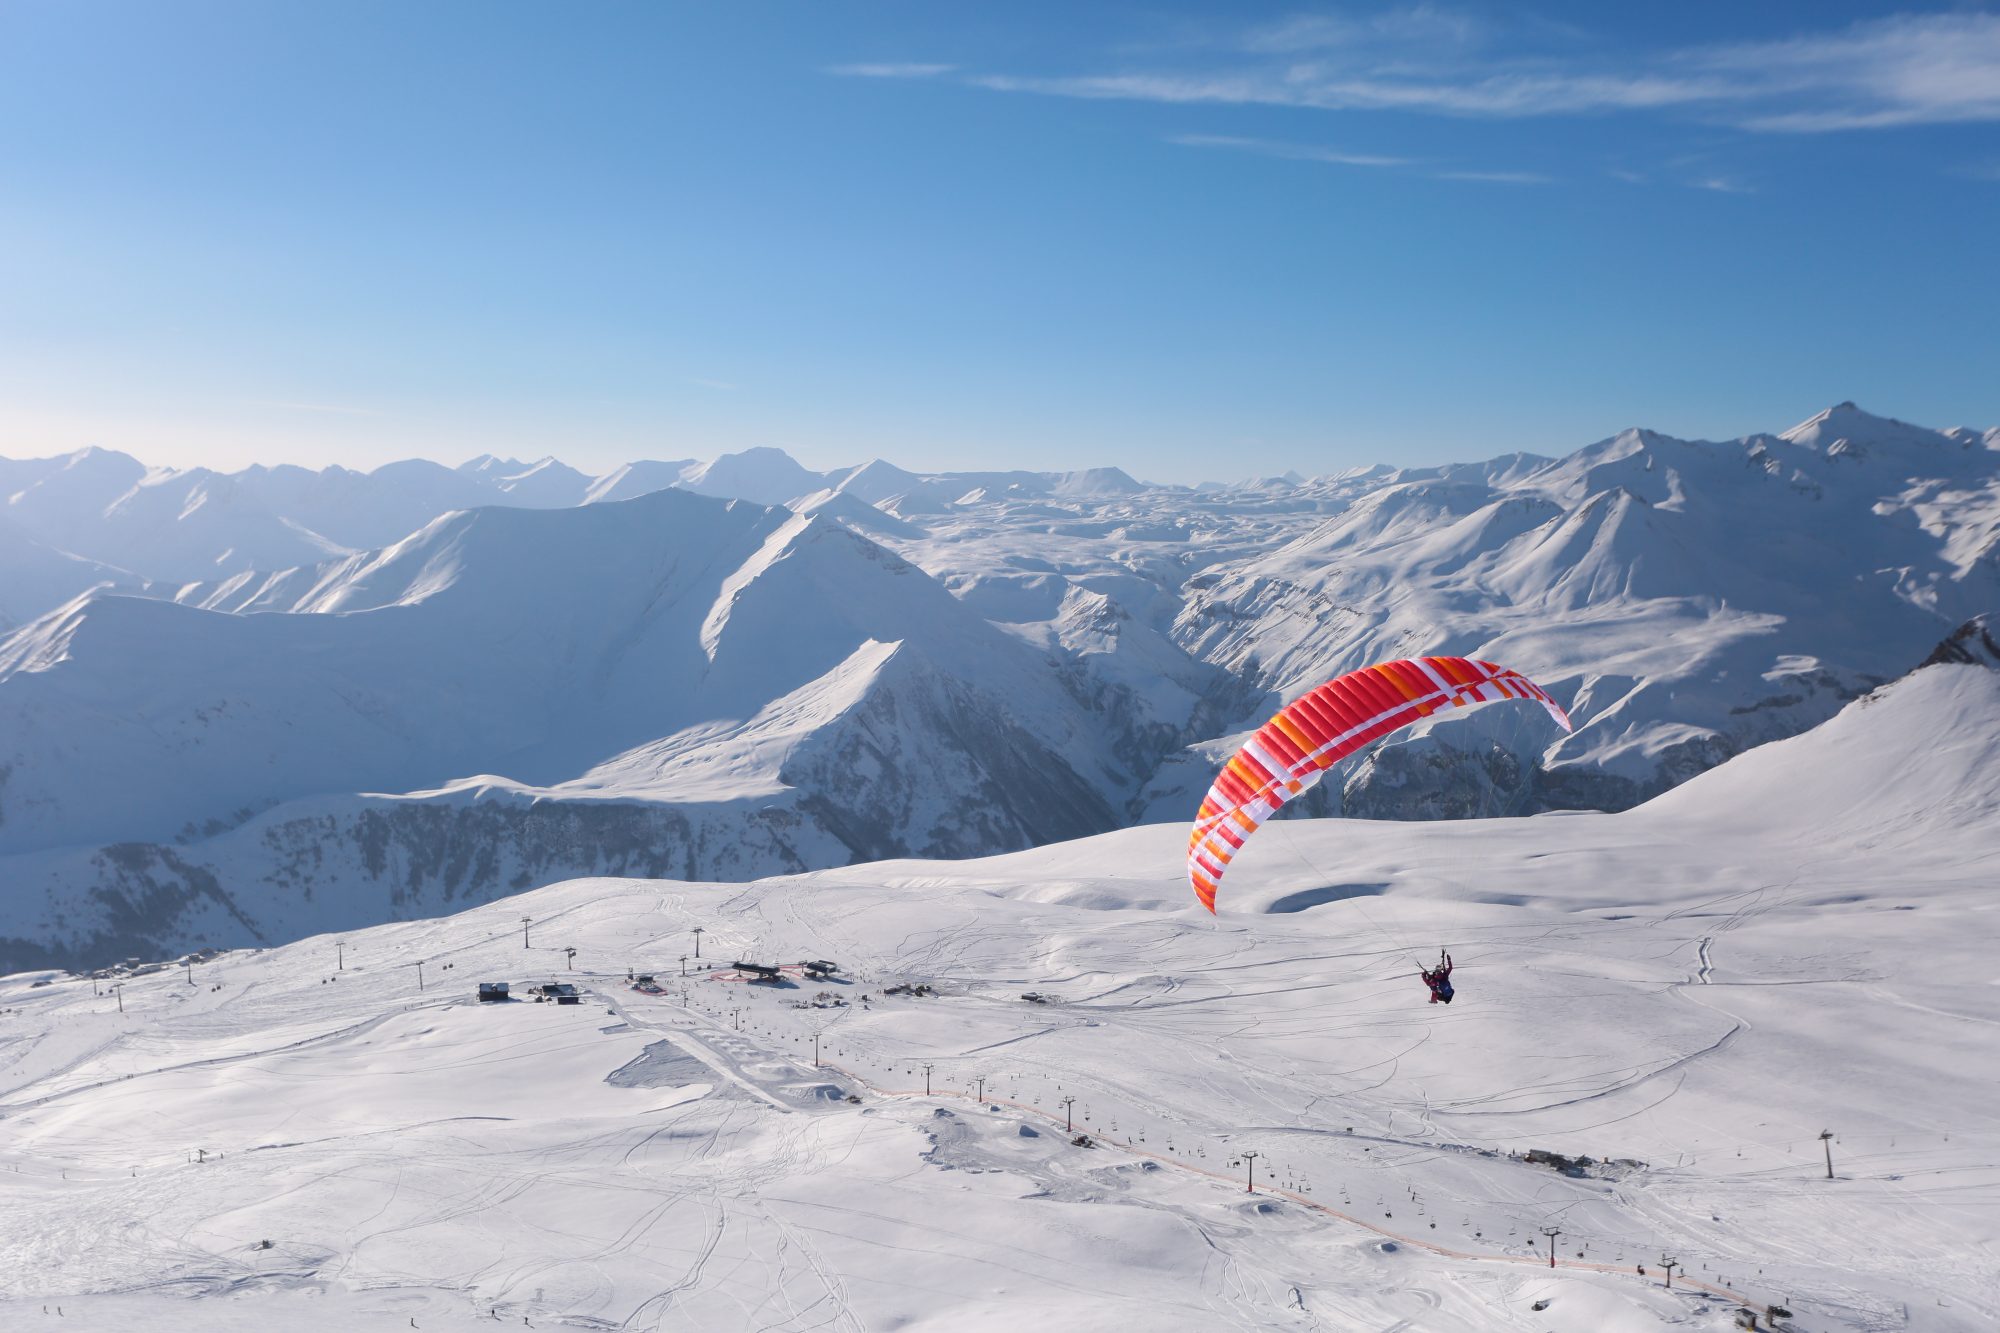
{"points": [[1691, 990]]}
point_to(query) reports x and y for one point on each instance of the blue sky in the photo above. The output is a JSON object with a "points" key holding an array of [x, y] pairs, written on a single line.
{"points": [[1190, 240]]}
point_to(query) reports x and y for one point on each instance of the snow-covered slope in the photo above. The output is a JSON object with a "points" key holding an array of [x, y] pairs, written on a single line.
{"points": [[54, 496], [672, 684], [37, 576], [1686, 600], [1678, 999], [636, 479]]}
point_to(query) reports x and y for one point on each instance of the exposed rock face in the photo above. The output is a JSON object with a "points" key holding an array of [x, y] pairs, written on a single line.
{"points": [[1977, 641]]}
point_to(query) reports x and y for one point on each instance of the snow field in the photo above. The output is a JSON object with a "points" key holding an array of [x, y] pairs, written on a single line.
{"points": [[1700, 985]]}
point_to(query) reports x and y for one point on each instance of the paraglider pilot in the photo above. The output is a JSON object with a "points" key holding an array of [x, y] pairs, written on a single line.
{"points": [[1439, 980]]}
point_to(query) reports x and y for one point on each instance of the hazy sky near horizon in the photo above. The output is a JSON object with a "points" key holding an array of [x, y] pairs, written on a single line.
{"points": [[1195, 241]]}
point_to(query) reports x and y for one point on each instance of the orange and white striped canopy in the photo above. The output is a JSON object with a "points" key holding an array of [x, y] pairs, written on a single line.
{"points": [[1314, 732]]}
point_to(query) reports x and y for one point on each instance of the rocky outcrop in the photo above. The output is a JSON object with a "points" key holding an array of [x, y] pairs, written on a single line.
{"points": [[1977, 642]]}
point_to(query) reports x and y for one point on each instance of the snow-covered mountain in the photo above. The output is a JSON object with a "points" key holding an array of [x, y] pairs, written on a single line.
{"points": [[671, 684], [1686, 600], [401, 701], [1745, 1025], [546, 483]]}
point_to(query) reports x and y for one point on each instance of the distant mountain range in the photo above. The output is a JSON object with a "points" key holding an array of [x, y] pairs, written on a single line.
{"points": [[242, 707], [98, 517]]}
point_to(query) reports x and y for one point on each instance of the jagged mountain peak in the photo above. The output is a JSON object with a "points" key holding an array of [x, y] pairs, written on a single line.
{"points": [[546, 483], [850, 510], [1851, 426], [491, 464], [548, 463], [96, 456], [1976, 643], [88, 472]]}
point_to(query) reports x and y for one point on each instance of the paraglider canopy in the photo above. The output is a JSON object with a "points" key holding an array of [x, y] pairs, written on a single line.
{"points": [[1314, 732]]}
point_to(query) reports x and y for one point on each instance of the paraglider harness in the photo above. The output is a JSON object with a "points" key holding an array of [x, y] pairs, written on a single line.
{"points": [[1440, 980]]}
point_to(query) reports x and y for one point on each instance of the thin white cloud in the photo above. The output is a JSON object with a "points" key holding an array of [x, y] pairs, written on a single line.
{"points": [[1907, 69], [891, 70], [1297, 152], [1723, 185], [1496, 177], [1433, 25], [1910, 69], [1304, 152], [1312, 86]]}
